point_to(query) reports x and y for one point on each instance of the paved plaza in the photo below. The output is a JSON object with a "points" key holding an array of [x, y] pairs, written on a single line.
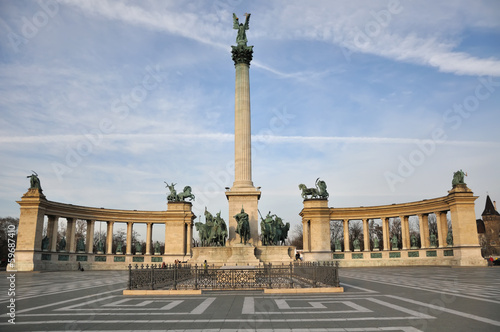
{"points": [[375, 299]]}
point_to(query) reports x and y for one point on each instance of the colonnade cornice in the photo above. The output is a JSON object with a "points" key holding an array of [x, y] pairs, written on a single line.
{"points": [[428, 206], [63, 210]]}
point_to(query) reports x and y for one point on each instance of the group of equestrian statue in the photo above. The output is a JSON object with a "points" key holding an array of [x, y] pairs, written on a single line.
{"points": [[213, 232], [273, 230]]}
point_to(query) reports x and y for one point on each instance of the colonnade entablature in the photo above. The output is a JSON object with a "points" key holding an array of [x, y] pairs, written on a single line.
{"points": [[459, 242]]}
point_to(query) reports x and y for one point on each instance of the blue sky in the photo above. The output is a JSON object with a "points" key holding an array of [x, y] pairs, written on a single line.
{"points": [[383, 100]]}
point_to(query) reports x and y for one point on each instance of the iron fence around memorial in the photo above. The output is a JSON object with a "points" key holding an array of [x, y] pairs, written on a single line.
{"points": [[185, 276]]}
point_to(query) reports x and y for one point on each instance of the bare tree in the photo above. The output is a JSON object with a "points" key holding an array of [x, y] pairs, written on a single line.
{"points": [[376, 231], [395, 230], [336, 233], [297, 237], [8, 226], [356, 232]]}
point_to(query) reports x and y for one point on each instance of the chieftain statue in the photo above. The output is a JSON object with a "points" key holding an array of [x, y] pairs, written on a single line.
{"points": [[315, 193], [273, 230], [243, 228], [214, 231], [178, 197]]}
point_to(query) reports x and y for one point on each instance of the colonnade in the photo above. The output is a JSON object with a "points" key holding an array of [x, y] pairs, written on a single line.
{"points": [[442, 231], [53, 226], [459, 203], [178, 221]]}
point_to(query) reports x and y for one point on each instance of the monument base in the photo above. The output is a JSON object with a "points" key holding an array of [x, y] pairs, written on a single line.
{"points": [[242, 255]]}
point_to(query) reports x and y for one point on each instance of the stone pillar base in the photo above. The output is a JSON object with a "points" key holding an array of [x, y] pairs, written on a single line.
{"points": [[316, 256]]}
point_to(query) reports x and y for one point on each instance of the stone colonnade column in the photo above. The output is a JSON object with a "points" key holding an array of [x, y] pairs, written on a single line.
{"points": [[70, 234], [442, 228], [149, 230], [405, 232], [346, 235], [385, 233], [424, 230], [90, 236], [130, 226], [366, 234], [109, 237], [52, 228]]}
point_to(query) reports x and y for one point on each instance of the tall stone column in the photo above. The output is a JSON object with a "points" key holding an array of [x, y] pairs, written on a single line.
{"points": [[130, 226], [109, 237], [442, 228], [405, 232], [70, 234], [149, 231], [90, 236], [243, 195], [52, 227], [366, 235], [385, 233], [346, 235], [424, 230]]}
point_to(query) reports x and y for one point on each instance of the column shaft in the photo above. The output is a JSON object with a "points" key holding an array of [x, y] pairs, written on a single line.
{"points": [[346, 235], [242, 128], [52, 231], [109, 237], [90, 236], [70, 234], [385, 233], [440, 223], [129, 237], [149, 228], [424, 232], [405, 233], [366, 235]]}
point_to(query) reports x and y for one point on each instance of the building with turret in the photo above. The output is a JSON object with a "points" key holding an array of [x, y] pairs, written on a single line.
{"points": [[488, 229]]}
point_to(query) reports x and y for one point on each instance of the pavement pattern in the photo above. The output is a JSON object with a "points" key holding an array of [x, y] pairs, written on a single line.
{"points": [[375, 299]]}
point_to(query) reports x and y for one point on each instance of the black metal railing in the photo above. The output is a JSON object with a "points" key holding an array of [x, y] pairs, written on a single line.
{"points": [[185, 276]]}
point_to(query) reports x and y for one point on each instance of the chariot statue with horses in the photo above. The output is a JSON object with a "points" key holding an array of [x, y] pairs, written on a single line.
{"points": [[273, 230], [179, 197], [315, 193], [213, 232]]}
